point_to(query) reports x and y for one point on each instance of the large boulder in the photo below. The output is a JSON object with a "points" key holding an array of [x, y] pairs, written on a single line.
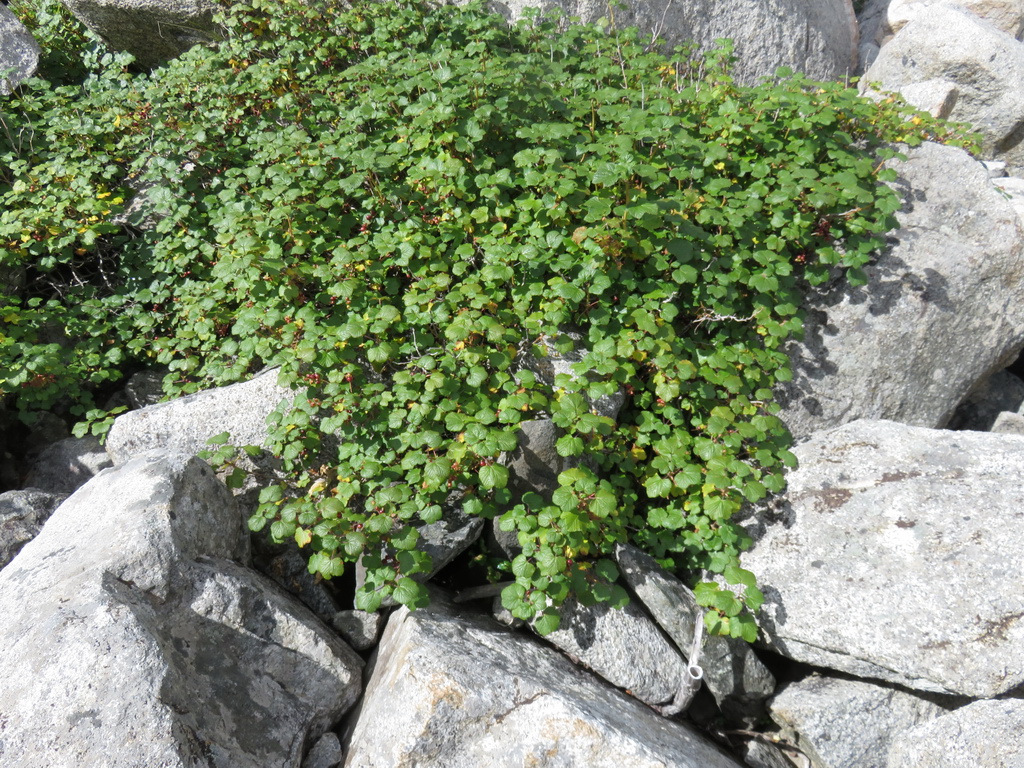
{"points": [[19, 57], [1007, 15], [895, 553], [818, 37], [153, 31], [949, 43], [130, 637], [879, 20], [941, 310], [459, 691]]}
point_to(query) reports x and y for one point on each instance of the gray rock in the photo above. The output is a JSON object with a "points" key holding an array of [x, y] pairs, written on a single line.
{"points": [[847, 723], [761, 754], [940, 312], [145, 388], [186, 424], [1009, 424], [871, 31], [130, 639], [289, 570], [22, 514], [66, 466], [1012, 187], [1002, 391], [455, 691], [936, 97], [549, 366], [1007, 15], [818, 37], [326, 753], [733, 674], [358, 628], [535, 464], [443, 541], [624, 647], [947, 42], [985, 734], [896, 553], [153, 31], [19, 52], [996, 168]]}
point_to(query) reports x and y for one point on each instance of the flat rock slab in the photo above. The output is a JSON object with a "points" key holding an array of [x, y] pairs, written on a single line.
{"points": [[985, 734], [186, 424], [130, 638], [458, 691], [896, 553], [623, 646], [843, 723]]}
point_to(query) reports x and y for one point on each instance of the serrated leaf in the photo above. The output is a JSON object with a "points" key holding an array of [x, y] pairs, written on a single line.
{"points": [[522, 567], [569, 445], [493, 476], [657, 486], [547, 623], [331, 507], [512, 596], [606, 569], [437, 472], [411, 593], [368, 600], [736, 575]]}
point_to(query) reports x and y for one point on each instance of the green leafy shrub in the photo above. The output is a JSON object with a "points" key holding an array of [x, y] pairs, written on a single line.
{"points": [[397, 205]]}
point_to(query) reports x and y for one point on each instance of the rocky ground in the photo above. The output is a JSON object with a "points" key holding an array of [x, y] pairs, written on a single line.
{"points": [[140, 626]]}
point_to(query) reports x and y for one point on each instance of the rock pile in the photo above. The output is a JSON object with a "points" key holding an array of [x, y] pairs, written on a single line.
{"points": [[138, 630]]}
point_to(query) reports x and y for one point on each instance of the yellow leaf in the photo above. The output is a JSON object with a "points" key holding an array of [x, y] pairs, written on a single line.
{"points": [[302, 537]]}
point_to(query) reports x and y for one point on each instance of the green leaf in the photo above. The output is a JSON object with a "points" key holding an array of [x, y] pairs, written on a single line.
{"points": [[547, 622], [219, 439], [569, 445], [411, 593], [437, 472], [368, 600], [493, 476], [658, 487]]}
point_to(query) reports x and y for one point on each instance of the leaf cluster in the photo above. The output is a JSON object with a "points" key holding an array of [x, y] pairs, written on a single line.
{"points": [[401, 207]]}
